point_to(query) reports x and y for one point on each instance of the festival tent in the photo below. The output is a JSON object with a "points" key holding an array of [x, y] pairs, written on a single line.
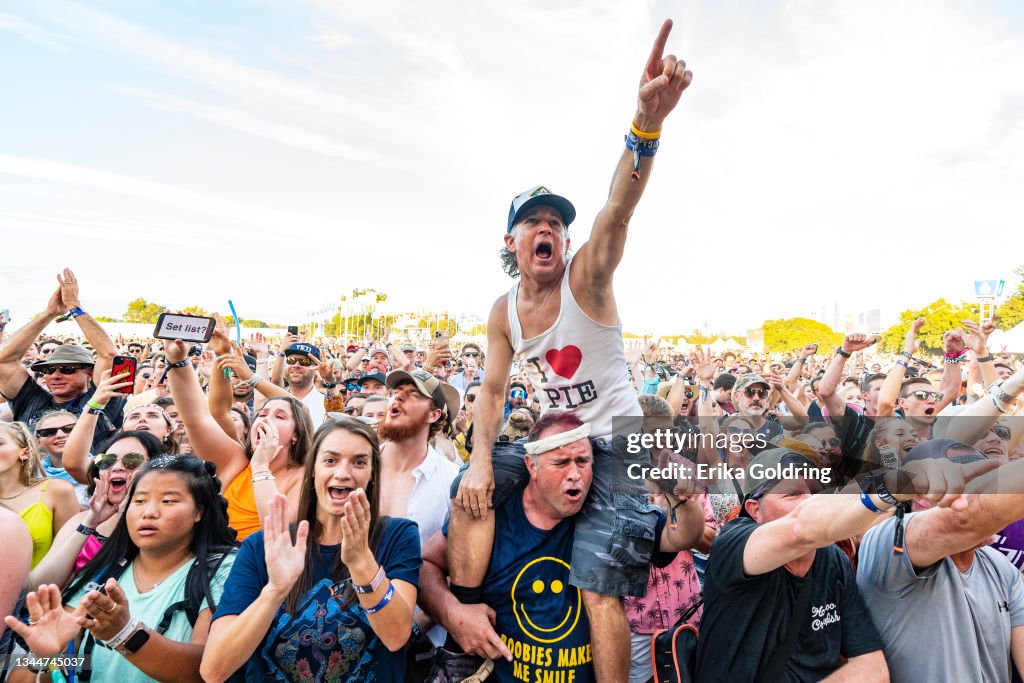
{"points": [[1009, 341]]}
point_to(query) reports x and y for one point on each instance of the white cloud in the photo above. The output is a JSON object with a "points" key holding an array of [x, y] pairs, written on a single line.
{"points": [[32, 32]]}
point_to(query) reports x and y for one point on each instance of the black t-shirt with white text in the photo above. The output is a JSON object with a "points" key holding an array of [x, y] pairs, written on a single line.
{"points": [[746, 618]]}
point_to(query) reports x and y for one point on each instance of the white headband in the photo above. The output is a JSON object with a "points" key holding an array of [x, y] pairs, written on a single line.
{"points": [[550, 443]]}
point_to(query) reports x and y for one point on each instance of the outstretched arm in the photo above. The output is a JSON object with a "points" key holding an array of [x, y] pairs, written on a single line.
{"points": [[13, 374], [93, 332], [889, 392], [661, 85]]}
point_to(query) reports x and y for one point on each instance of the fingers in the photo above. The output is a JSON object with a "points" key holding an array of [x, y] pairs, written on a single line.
{"points": [[654, 61], [301, 535], [653, 87], [115, 594], [17, 626], [497, 644]]}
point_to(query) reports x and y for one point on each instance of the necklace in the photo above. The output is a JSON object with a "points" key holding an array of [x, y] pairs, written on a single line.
{"points": [[15, 495], [142, 587]]}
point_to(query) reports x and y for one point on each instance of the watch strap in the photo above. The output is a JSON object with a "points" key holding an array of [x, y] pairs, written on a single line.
{"points": [[373, 585], [135, 641]]}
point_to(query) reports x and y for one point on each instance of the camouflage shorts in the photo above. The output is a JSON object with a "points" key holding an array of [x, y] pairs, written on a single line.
{"points": [[616, 529]]}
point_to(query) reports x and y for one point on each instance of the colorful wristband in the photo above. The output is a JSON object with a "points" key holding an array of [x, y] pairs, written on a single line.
{"points": [[383, 601], [644, 135]]}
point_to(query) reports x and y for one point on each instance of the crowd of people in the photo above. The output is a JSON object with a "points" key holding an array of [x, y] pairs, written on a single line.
{"points": [[374, 510]]}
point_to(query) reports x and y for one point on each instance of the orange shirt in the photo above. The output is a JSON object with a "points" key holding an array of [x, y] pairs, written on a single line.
{"points": [[242, 514]]}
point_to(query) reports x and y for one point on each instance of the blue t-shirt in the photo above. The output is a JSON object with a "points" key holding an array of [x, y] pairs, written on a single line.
{"points": [[322, 641], [540, 617]]}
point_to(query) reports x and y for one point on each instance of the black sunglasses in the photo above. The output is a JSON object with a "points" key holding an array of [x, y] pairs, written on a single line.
{"points": [[471, 354], [62, 369], [751, 392], [47, 432]]}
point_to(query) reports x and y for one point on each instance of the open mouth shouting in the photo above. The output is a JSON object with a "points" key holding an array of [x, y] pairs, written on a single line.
{"points": [[544, 252], [339, 494], [117, 484]]}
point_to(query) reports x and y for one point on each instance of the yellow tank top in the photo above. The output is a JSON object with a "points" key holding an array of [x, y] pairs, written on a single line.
{"points": [[242, 513], [39, 520]]}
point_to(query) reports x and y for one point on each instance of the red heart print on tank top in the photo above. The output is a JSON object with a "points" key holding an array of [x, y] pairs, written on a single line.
{"points": [[564, 362]]}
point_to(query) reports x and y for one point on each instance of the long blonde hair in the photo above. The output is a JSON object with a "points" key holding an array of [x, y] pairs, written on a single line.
{"points": [[32, 468]]}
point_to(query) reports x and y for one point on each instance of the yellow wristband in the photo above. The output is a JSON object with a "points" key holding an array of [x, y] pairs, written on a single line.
{"points": [[643, 135]]}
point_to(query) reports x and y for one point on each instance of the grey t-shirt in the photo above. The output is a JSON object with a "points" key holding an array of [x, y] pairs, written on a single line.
{"points": [[938, 624]]}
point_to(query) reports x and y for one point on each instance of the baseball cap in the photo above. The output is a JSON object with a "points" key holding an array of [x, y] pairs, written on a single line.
{"points": [[756, 484], [539, 196], [351, 348], [749, 379], [250, 361], [444, 395], [303, 349], [66, 354], [379, 376], [408, 347]]}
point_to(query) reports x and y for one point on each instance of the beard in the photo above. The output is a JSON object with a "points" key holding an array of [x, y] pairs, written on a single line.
{"points": [[389, 430]]}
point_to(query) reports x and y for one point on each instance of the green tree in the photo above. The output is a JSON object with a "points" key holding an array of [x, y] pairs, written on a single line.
{"points": [[940, 316], [107, 319], [142, 311], [790, 334], [1011, 312], [247, 322], [196, 310]]}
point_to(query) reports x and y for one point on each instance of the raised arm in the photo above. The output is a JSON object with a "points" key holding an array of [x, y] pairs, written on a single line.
{"points": [[13, 374], [661, 85], [889, 392], [93, 332], [204, 433], [829, 384], [977, 341], [986, 411], [798, 366], [76, 450], [821, 520]]}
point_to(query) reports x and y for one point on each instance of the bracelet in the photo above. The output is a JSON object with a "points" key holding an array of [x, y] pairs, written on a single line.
{"points": [[882, 491], [416, 631], [254, 380], [383, 601], [984, 359], [996, 390], [96, 406], [953, 360], [371, 587], [644, 135], [865, 499], [640, 148], [85, 530], [264, 477], [328, 385], [844, 354], [123, 634], [180, 364], [903, 363], [907, 355], [1000, 408], [801, 359]]}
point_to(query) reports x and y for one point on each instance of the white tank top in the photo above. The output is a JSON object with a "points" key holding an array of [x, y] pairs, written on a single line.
{"points": [[576, 364]]}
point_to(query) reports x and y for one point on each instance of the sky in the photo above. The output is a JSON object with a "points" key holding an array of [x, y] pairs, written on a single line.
{"points": [[279, 153]]}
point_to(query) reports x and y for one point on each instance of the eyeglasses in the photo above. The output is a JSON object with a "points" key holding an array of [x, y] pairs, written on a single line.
{"points": [[925, 395], [62, 369], [751, 392], [470, 398], [470, 354], [104, 461], [1002, 431], [47, 432], [304, 361]]}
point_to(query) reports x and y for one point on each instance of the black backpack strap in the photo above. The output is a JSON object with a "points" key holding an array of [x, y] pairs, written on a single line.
{"points": [[777, 662], [196, 590]]}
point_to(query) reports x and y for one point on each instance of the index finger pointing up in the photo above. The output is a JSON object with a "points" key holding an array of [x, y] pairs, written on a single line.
{"points": [[654, 61]]}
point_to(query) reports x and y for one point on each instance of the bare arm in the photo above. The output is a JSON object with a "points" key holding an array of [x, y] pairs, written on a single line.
{"points": [[984, 411], [1017, 646], [13, 374], [661, 86], [17, 559], [889, 392], [204, 433], [829, 384], [63, 502], [868, 667], [689, 527], [219, 397], [478, 481]]}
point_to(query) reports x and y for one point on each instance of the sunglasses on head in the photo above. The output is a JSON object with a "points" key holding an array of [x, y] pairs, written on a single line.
{"points": [[104, 461], [751, 392], [62, 369], [923, 395], [47, 432], [304, 361]]}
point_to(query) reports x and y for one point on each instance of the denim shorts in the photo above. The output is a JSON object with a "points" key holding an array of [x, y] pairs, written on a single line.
{"points": [[615, 534]]}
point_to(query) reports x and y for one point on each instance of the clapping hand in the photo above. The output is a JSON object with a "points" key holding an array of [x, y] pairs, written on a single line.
{"points": [[285, 560], [49, 627]]}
